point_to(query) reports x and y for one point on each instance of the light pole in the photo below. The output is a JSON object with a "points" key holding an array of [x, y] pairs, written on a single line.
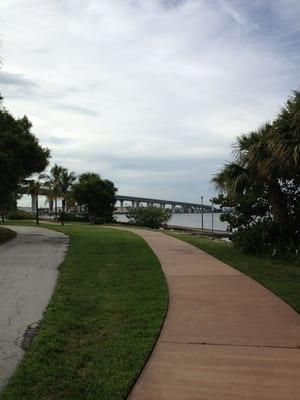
{"points": [[202, 212], [212, 216]]}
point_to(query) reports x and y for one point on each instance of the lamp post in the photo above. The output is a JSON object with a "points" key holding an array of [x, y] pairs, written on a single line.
{"points": [[212, 216], [202, 212]]}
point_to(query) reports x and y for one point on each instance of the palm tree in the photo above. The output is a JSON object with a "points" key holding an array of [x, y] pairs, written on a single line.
{"points": [[52, 186], [255, 165], [65, 182], [286, 138], [33, 187]]}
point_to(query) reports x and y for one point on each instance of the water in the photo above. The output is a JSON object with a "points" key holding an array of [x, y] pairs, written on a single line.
{"points": [[190, 220]]}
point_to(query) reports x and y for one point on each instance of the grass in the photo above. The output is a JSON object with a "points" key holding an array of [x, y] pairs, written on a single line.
{"points": [[282, 278], [6, 235], [102, 321]]}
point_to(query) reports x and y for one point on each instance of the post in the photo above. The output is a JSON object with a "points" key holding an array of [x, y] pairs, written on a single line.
{"points": [[202, 212], [37, 210], [212, 216]]}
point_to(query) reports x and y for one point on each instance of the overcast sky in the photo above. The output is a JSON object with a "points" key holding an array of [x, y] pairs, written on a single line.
{"points": [[149, 93]]}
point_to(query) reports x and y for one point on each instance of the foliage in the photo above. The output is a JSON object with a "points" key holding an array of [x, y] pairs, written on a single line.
{"points": [[33, 187], [152, 217], [262, 237], [262, 184], [52, 186], [102, 321], [19, 214], [20, 153], [65, 181], [7, 203], [96, 195], [72, 217]]}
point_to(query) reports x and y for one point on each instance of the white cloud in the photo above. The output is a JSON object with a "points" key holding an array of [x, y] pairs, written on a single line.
{"points": [[148, 93]]}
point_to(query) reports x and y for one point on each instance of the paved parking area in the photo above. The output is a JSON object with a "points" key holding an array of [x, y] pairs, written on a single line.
{"points": [[28, 273]]}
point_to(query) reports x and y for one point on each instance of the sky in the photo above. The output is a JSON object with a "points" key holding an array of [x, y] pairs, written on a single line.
{"points": [[148, 93]]}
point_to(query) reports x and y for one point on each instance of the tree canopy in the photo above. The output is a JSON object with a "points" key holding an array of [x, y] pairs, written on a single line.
{"points": [[262, 184], [20, 154], [96, 195]]}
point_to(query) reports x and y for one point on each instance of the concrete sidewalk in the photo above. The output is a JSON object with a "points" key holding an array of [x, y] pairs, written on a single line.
{"points": [[225, 336], [28, 272]]}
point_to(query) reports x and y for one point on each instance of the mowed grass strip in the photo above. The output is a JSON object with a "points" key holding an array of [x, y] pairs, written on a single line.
{"points": [[101, 323], [6, 235], [281, 277]]}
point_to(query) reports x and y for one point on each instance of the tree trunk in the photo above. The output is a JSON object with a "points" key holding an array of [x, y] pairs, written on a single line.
{"points": [[281, 215], [279, 204]]}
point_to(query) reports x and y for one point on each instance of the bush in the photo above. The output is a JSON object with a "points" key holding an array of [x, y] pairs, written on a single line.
{"points": [[74, 217], [264, 237], [19, 214], [152, 217]]}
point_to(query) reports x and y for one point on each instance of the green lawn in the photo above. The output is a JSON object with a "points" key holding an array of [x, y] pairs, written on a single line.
{"points": [[6, 235], [101, 324], [282, 278]]}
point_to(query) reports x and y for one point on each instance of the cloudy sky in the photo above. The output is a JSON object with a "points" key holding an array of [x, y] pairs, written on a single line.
{"points": [[149, 93]]}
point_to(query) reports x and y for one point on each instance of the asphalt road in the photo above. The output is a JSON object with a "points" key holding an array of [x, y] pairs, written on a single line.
{"points": [[28, 273]]}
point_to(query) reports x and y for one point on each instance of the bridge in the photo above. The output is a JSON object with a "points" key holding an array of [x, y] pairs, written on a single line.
{"points": [[137, 201], [176, 206]]}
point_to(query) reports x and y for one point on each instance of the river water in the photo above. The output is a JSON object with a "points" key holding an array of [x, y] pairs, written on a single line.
{"points": [[191, 220], [178, 219]]}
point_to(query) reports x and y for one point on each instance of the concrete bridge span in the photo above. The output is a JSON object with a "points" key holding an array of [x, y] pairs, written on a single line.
{"points": [[136, 201]]}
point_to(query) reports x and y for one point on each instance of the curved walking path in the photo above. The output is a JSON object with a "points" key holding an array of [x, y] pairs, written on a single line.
{"points": [[225, 336], [28, 273]]}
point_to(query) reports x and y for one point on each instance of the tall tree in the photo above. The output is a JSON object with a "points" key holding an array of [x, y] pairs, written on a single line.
{"points": [[96, 195], [263, 180], [34, 187], [20, 153], [52, 186], [66, 180]]}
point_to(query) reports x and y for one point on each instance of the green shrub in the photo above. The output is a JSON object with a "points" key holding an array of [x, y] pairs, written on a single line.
{"points": [[264, 237], [152, 217], [19, 214], [74, 217]]}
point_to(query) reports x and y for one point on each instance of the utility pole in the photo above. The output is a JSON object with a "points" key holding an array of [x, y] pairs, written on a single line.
{"points": [[202, 212]]}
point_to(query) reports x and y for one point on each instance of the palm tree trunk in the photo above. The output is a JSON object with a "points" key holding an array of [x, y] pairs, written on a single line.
{"points": [[281, 215], [279, 204]]}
